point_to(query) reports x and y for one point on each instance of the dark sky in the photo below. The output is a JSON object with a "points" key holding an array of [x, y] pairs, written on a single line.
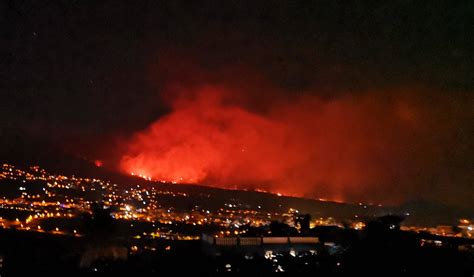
{"points": [[86, 73]]}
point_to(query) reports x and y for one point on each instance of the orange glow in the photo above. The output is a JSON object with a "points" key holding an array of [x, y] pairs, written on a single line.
{"points": [[334, 149]]}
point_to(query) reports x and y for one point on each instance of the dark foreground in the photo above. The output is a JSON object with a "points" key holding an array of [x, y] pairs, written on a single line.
{"points": [[400, 254]]}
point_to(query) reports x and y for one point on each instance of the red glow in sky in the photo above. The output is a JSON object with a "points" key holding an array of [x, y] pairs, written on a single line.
{"points": [[343, 149]]}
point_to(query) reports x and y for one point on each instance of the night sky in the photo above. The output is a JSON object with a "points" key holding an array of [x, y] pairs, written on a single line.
{"points": [[344, 100]]}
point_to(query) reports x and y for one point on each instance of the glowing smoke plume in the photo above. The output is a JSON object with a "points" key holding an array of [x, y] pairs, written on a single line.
{"points": [[353, 147]]}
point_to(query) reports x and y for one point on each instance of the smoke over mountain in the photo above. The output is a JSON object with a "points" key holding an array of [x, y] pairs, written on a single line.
{"points": [[250, 134]]}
